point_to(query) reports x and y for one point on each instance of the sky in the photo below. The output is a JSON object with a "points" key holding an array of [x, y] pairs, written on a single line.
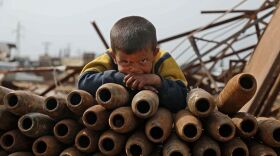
{"points": [[67, 23]]}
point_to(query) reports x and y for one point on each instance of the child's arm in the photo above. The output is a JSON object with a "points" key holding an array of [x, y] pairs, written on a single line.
{"points": [[98, 72], [91, 81]]}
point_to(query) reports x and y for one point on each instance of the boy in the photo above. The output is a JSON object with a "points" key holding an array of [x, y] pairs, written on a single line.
{"points": [[135, 61]]}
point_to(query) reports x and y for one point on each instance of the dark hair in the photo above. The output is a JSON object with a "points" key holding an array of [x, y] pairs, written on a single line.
{"points": [[133, 33]]}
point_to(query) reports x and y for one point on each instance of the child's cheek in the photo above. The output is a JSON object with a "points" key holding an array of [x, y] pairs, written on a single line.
{"points": [[123, 69]]}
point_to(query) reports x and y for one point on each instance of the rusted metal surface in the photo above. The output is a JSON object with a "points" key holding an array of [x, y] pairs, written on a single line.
{"points": [[100, 34], [4, 91], [96, 118], [200, 102], [158, 127], [123, 120], [46, 145], [20, 154], [7, 119], [205, 28], [111, 95], [269, 131], [188, 127], [138, 144], [245, 123], [87, 141], [35, 125], [78, 101], [66, 130], [267, 105], [209, 62], [264, 64], [41, 69], [175, 146], [206, 146], [14, 140], [220, 126], [111, 143], [71, 151], [239, 90], [61, 80], [98, 154], [235, 147], [257, 149], [56, 107], [145, 104], [3, 153], [22, 102]]}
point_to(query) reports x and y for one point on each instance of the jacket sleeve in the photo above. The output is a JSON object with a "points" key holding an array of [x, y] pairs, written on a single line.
{"points": [[172, 94], [99, 71], [174, 88], [90, 81]]}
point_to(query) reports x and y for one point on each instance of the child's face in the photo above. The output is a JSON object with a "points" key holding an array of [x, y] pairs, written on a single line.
{"points": [[139, 62]]}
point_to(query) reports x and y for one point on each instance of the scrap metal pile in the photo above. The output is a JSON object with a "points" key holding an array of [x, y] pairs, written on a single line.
{"points": [[114, 123]]}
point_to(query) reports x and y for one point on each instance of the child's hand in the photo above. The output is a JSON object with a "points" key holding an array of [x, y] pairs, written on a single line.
{"points": [[151, 88], [139, 81]]}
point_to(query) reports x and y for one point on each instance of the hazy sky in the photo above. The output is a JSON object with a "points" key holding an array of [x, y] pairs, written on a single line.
{"points": [[68, 22]]}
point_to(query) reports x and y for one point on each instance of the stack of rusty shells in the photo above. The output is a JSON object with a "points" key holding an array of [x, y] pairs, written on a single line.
{"points": [[113, 123]]}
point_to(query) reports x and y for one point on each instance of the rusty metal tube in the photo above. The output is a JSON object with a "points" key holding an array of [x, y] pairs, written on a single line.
{"points": [[87, 141], [20, 154], [96, 118], [35, 124], [158, 127], [257, 149], [175, 147], [23, 102], [235, 147], [200, 102], [138, 144], [3, 153], [245, 123], [4, 91], [71, 151], [123, 120], [98, 154], [205, 146], [111, 95], [145, 104], [269, 131], [14, 140], [66, 130], [111, 143], [237, 92], [78, 101], [46, 145], [220, 126], [7, 119], [56, 108], [188, 127]]}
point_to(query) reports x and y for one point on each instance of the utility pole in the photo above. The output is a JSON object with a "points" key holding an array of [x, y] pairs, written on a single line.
{"points": [[46, 47], [18, 37]]}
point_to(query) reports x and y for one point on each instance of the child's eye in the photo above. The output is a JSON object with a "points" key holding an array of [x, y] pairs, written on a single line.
{"points": [[144, 60], [124, 62]]}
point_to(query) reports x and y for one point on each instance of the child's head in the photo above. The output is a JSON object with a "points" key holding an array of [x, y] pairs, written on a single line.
{"points": [[134, 44]]}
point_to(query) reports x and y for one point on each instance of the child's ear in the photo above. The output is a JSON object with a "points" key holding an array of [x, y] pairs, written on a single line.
{"points": [[113, 54], [156, 51]]}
